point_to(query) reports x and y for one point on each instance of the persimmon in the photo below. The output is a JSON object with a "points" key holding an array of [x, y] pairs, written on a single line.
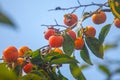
{"points": [[99, 17], [58, 50], [79, 43], [56, 41], [22, 50], [90, 31], [10, 54], [70, 19], [49, 32], [72, 34], [28, 68], [20, 61], [117, 22]]}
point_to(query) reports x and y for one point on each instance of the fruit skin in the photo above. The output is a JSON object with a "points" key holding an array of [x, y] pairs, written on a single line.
{"points": [[72, 34], [70, 19], [117, 22], [20, 61], [49, 32], [22, 50], [56, 41], [79, 43], [90, 31], [10, 54], [58, 50], [99, 18], [28, 68]]}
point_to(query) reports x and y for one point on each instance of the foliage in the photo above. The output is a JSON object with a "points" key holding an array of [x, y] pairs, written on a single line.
{"points": [[47, 63]]}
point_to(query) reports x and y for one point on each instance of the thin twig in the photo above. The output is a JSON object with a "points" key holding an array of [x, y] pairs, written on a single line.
{"points": [[76, 7], [78, 2], [56, 21], [44, 47], [56, 25]]}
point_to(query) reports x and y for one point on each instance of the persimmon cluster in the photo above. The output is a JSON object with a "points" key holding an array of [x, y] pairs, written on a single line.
{"points": [[12, 55], [55, 37]]}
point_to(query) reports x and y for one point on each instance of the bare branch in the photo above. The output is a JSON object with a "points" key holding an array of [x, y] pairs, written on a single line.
{"points": [[56, 25], [44, 47], [78, 2], [56, 21], [76, 7]]}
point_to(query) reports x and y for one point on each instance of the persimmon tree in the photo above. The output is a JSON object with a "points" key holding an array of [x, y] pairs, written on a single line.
{"points": [[45, 63]]}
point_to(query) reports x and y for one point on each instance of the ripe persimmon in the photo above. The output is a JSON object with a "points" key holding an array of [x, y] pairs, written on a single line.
{"points": [[58, 50], [70, 19], [28, 68], [90, 31], [20, 61], [79, 43], [72, 34], [10, 54], [23, 50], [117, 22], [49, 32], [99, 17], [56, 41]]}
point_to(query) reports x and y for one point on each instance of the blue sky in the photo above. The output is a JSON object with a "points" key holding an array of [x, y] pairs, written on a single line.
{"points": [[30, 14]]}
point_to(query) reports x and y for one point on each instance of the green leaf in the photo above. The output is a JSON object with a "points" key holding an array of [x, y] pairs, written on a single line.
{"points": [[61, 77], [85, 55], [76, 72], [48, 57], [53, 76], [115, 7], [105, 70], [4, 19], [42, 74], [6, 73], [62, 59], [18, 70], [84, 66], [110, 46], [103, 33], [68, 45], [31, 76], [95, 46], [36, 57]]}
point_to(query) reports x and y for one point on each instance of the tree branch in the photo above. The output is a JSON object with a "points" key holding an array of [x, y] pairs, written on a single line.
{"points": [[76, 7], [55, 25]]}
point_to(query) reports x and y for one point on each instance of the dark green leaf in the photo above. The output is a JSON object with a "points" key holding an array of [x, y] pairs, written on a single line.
{"points": [[42, 74], [68, 45], [61, 77], [104, 69], [95, 46], [4, 19], [18, 70], [48, 57], [103, 33], [36, 57], [53, 76], [85, 55], [31, 76], [62, 59], [76, 72]]}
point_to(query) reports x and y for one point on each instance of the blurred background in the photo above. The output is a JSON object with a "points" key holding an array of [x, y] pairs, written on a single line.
{"points": [[27, 17]]}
